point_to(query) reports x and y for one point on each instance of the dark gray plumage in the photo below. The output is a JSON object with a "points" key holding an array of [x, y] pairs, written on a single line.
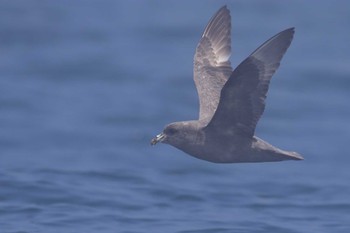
{"points": [[231, 102]]}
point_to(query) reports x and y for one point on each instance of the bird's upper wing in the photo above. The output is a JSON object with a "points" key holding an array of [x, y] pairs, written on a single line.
{"points": [[212, 67], [242, 100]]}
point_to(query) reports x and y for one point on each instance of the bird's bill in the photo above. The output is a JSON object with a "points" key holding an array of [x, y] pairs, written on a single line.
{"points": [[159, 138]]}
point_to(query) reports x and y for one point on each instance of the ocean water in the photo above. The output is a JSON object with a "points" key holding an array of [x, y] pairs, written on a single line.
{"points": [[85, 85]]}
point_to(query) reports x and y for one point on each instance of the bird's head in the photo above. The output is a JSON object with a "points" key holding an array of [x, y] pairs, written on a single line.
{"points": [[177, 134], [169, 134]]}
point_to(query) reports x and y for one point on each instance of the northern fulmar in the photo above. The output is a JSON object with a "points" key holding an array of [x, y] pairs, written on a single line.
{"points": [[230, 101]]}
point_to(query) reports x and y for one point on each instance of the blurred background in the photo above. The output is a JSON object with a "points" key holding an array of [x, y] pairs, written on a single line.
{"points": [[85, 85]]}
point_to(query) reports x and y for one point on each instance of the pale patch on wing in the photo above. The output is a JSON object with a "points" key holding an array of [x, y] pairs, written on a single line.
{"points": [[212, 67]]}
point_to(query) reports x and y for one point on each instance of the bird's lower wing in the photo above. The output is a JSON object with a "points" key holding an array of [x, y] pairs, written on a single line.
{"points": [[242, 99]]}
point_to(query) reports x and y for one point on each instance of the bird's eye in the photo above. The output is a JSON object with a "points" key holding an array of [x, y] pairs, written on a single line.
{"points": [[170, 131]]}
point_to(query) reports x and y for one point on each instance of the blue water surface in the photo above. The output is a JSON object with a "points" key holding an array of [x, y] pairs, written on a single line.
{"points": [[85, 85]]}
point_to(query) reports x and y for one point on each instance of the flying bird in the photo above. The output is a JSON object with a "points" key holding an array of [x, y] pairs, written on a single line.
{"points": [[231, 102]]}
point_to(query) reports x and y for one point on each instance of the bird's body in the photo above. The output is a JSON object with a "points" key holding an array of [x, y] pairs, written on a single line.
{"points": [[231, 101]]}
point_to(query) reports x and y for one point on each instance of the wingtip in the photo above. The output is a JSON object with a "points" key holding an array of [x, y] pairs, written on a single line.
{"points": [[289, 30], [296, 156], [224, 7]]}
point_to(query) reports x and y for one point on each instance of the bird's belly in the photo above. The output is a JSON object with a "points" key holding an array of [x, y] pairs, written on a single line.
{"points": [[221, 152]]}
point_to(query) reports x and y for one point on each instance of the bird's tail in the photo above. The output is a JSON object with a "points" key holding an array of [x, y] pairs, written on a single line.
{"points": [[267, 152]]}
